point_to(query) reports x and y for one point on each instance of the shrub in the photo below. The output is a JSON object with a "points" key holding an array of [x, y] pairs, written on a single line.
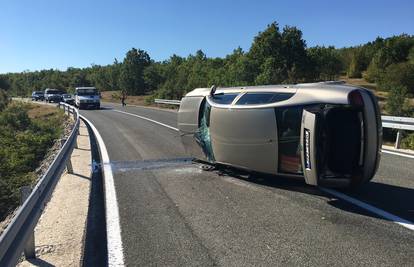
{"points": [[397, 75], [4, 99], [408, 142], [24, 143], [397, 103]]}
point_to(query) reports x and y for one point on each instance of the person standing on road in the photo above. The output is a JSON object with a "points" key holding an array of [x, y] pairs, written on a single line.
{"points": [[123, 97]]}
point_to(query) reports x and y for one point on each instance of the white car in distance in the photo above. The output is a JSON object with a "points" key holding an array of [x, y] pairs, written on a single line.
{"points": [[87, 97]]}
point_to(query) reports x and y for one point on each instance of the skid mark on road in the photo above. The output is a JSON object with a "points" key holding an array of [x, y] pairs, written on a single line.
{"points": [[124, 166]]}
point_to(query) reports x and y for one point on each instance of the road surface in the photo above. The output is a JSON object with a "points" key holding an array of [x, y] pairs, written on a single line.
{"points": [[174, 213]]}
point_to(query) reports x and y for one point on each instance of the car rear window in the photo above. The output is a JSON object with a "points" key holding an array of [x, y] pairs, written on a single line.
{"points": [[224, 98], [263, 98]]}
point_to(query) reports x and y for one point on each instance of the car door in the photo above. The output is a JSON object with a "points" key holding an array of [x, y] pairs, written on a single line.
{"points": [[245, 138]]}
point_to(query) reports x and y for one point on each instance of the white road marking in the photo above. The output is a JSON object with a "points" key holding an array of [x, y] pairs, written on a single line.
{"points": [[113, 228], [148, 119], [386, 215], [397, 154], [366, 206]]}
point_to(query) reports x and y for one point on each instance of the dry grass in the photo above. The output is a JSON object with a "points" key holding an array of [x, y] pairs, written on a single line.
{"points": [[41, 111], [115, 97]]}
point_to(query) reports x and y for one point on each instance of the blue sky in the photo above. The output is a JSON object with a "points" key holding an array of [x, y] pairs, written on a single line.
{"points": [[46, 34]]}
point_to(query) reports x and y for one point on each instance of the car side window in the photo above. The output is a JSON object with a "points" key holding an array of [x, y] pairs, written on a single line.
{"points": [[263, 98], [224, 99]]}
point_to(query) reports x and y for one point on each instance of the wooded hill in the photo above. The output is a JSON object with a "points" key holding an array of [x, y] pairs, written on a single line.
{"points": [[275, 56]]}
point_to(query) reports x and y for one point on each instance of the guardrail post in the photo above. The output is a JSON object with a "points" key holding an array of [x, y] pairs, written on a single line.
{"points": [[68, 162], [76, 138], [398, 139], [29, 249]]}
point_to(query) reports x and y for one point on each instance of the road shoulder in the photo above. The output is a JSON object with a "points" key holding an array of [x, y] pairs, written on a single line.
{"points": [[60, 232]]}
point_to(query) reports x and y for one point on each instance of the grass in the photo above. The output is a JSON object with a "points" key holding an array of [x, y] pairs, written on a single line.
{"points": [[37, 111], [27, 132]]}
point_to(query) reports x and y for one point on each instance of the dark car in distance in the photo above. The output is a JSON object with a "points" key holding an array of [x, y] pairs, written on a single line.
{"points": [[53, 95], [67, 98], [38, 96]]}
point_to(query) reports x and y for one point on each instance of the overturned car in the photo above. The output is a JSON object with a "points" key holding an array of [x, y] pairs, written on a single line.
{"points": [[329, 133]]}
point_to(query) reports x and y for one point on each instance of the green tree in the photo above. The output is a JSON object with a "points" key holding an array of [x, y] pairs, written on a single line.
{"points": [[132, 71], [398, 75], [294, 52], [325, 63], [154, 76], [4, 99], [266, 54], [356, 66], [397, 104], [410, 56]]}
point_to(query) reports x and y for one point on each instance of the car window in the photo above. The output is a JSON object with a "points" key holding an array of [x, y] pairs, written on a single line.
{"points": [[87, 92], [288, 125], [263, 98], [224, 99]]}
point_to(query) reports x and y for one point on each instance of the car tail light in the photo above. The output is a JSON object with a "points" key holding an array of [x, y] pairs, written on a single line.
{"points": [[355, 98]]}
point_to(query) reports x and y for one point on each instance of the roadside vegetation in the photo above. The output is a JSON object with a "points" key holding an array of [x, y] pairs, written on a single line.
{"points": [[27, 132], [276, 55]]}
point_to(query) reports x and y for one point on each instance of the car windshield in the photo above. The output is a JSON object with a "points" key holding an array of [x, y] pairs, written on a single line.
{"points": [[289, 124], [263, 98], [38, 93], [67, 96], [87, 92], [224, 99]]}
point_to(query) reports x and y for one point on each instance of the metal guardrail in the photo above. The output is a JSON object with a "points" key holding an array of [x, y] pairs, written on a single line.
{"points": [[167, 101], [18, 237], [399, 123], [402, 123]]}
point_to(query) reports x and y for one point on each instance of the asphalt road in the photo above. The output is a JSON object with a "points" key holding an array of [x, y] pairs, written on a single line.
{"points": [[174, 213]]}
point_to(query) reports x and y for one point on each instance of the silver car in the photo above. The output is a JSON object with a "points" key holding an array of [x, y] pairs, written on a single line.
{"points": [[328, 133]]}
